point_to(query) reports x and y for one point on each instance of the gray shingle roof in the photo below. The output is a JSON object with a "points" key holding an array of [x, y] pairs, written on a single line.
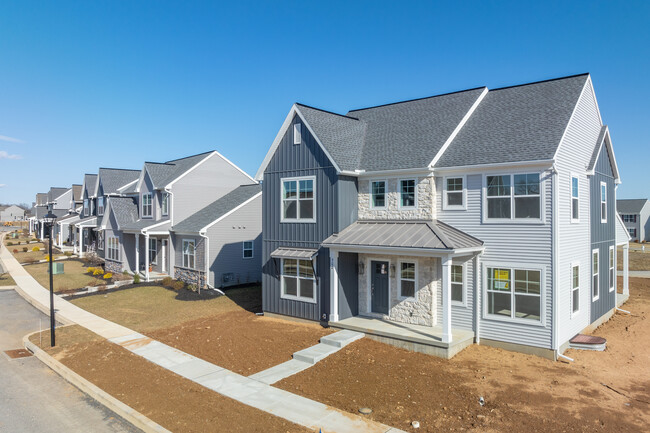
{"points": [[162, 174], [77, 192], [403, 234], [521, 123], [142, 224], [89, 184], [54, 193], [41, 198], [124, 209], [630, 206], [113, 178], [217, 209]]}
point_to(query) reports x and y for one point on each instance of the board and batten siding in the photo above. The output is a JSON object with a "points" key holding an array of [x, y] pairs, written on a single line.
{"points": [[603, 235], [506, 244], [226, 243], [295, 160], [574, 238]]}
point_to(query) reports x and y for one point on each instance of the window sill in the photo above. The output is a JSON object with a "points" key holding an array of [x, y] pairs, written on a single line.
{"points": [[296, 298], [536, 222], [515, 321], [454, 208], [407, 298], [575, 221], [312, 221], [458, 304]]}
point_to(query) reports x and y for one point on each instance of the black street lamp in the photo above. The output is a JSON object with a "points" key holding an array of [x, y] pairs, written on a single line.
{"points": [[49, 220]]}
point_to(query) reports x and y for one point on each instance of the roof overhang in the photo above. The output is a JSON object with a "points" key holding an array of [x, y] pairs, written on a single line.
{"points": [[294, 253], [417, 252]]}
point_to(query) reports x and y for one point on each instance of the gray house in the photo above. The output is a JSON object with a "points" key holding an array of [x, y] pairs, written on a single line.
{"points": [[85, 236], [477, 216], [11, 213], [636, 217]]}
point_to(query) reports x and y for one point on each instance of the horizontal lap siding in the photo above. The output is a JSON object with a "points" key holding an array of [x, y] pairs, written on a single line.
{"points": [[199, 245], [289, 160], [509, 245]]}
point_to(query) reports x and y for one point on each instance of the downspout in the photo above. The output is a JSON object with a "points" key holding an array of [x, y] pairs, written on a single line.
{"points": [[170, 211], [205, 259], [554, 260]]}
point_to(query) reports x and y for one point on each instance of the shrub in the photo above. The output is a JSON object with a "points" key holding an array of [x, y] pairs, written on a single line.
{"points": [[192, 287], [47, 258], [25, 249], [136, 279], [178, 284], [36, 249], [90, 270], [67, 253], [108, 276], [167, 281], [9, 244], [98, 271], [18, 243], [15, 251]]}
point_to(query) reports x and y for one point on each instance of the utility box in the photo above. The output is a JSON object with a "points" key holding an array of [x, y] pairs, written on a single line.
{"points": [[57, 268], [14, 235]]}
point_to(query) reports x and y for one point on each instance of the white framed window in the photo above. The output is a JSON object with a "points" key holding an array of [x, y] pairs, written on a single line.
{"points": [[189, 253], [575, 199], [514, 294], [298, 280], [113, 251], [100, 206], [247, 249], [100, 240], [147, 207], [86, 207], [603, 202], [408, 190], [153, 251], [458, 284], [629, 218], [299, 199], [632, 232], [165, 204], [407, 280], [513, 196], [297, 133], [454, 193], [595, 290], [575, 288], [612, 268], [377, 194]]}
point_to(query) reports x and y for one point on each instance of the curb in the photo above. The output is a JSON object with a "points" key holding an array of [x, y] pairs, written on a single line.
{"points": [[128, 413]]}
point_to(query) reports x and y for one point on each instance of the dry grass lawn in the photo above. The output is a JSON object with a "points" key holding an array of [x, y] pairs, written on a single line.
{"points": [[639, 261], [73, 278]]}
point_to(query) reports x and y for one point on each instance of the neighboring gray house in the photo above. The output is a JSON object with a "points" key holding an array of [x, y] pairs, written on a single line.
{"points": [[635, 214], [85, 236], [477, 216], [40, 209], [11, 213]]}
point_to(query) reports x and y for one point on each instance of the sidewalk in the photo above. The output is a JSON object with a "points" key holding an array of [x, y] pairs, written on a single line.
{"points": [[636, 274], [294, 408]]}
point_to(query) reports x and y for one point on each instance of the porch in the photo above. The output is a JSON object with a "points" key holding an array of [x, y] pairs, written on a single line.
{"points": [[417, 338]]}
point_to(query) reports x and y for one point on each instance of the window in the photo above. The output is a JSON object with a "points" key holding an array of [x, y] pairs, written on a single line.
{"points": [[113, 251], [575, 209], [407, 280], [453, 197], [594, 275], [165, 204], [147, 210], [86, 207], [524, 302], [407, 193], [575, 288], [100, 240], [297, 133], [522, 200], [153, 250], [100, 206], [632, 233], [298, 280], [612, 275], [188, 253], [457, 283], [603, 202], [629, 218], [298, 199], [378, 193], [247, 249]]}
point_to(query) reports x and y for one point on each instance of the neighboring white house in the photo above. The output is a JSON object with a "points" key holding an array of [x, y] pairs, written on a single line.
{"points": [[11, 213], [635, 214]]}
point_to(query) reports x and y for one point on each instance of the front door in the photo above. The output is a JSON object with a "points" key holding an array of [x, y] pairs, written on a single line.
{"points": [[379, 287]]}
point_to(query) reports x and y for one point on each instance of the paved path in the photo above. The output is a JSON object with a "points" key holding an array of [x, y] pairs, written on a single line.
{"points": [[291, 407], [636, 274], [32, 397]]}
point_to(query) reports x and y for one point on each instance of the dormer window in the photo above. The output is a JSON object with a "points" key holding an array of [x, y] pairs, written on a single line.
{"points": [[165, 204], [147, 208], [297, 133], [100, 206], [86, 207]]}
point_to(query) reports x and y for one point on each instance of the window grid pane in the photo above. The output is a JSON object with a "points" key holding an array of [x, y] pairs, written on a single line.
{"points": [[407, 188]]}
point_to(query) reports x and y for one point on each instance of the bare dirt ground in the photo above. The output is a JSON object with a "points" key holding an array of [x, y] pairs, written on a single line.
{"points": [[168, 399], [639, 261], [523, 393]]}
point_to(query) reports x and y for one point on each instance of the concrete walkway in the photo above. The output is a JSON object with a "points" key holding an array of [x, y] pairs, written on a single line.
{"points": [[294, 408], [636, 274]]}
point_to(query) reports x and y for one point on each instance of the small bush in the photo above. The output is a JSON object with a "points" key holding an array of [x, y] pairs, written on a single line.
{"points": [[125, 272], [25, 249], [15, 251], [98, 271], [46, 258], [67, 253], [108, 276], [18, 243], [136, 279], [178, 284], [167, 281], [90, 270], [36, 249], [10, 244], [192, 287]]}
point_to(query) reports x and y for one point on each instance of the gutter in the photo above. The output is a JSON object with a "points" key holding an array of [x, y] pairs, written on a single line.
{"points": [[554, 260], [206, 258]]}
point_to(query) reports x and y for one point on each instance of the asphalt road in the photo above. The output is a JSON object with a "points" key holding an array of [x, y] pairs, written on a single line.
{"points": [[32, 397]]}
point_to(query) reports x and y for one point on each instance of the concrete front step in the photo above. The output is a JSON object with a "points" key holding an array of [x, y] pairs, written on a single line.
{"points": [[342, 338], [315, 353]]}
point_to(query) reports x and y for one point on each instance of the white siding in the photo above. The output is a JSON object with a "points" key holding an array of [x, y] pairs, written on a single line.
{"points": [[226, 238], [574, 239]]}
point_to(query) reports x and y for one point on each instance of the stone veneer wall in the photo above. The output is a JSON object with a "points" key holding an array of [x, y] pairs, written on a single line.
{"points": [[422, 311], [426, 191], [190, 276], [112, 266]]}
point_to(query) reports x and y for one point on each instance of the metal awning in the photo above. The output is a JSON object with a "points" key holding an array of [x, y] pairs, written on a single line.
{"points": [[294, 253]]}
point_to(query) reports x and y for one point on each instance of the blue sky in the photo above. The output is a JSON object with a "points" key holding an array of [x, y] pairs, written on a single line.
{"points": [[114, 83]]}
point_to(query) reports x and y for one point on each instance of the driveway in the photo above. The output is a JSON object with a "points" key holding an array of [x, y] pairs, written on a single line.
{"points": [[32, 397]]}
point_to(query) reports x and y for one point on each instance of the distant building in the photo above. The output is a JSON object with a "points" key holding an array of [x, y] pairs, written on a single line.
{"points": [[11, 213], [635, 214]]}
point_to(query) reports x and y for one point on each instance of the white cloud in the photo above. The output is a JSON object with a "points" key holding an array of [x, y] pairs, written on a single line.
{"points": [[10, 139], [2, 185], [5, 155]]}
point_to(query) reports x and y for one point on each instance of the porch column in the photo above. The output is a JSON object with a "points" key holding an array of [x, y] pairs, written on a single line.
{"points": [[81, 247], [334, 286], [42, 230], [446, 299], [477, 299], [626, 269], [137, 253], [146, 257]]}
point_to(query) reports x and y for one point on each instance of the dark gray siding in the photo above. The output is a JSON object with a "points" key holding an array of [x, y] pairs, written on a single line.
{"points": [[289, 160], [603, 235], [348, 285], [347, 191]]}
